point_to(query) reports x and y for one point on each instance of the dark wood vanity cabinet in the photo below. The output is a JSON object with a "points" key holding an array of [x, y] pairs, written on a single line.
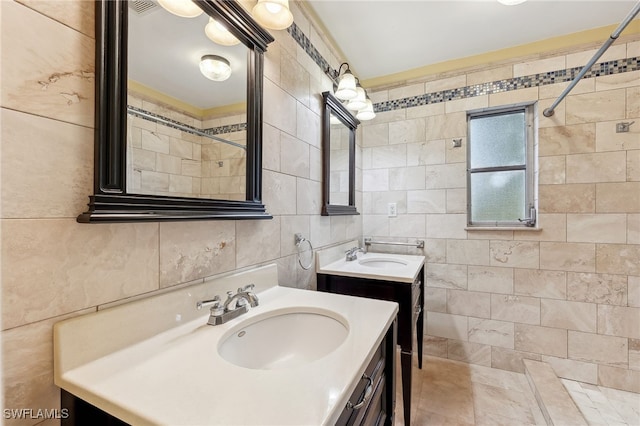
{"points": [[410, 298], [373, 400], [80, 413]]}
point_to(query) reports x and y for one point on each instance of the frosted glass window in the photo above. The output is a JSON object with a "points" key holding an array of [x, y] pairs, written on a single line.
{"points": [[498, 196], [500, 167], [498, 140]]}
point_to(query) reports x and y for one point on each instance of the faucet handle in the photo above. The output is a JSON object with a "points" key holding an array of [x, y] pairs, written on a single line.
{"points": [[214, 302], [247, 287]]}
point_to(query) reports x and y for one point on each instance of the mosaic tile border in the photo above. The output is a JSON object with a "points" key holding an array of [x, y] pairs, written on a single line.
{"points": [[604, 68], [157, 118], [304, 42]]}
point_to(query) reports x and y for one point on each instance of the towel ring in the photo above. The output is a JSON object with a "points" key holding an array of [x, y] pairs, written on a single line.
{"points": [[300, 240]]}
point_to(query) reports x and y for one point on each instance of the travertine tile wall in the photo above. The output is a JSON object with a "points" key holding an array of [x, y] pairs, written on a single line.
{"points": [[54, 267], [567, 294], [167, 161]]}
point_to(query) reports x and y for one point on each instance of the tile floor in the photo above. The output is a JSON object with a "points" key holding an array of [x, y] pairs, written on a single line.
{"points": [[605, 406], [447, 392]]}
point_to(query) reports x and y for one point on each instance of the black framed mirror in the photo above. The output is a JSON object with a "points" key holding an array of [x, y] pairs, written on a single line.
{"points": [[339, 154], [113, 199]]}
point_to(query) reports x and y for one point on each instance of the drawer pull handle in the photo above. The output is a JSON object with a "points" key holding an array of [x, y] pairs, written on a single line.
{"points": [[367, 395]]}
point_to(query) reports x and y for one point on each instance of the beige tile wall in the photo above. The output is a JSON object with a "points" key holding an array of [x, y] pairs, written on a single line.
{"points": [[567, 294], [54, 267], [166, 161]]}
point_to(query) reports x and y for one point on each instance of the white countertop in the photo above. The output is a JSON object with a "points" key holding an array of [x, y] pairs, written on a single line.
{"points": [[406, 271], [176, 376]]}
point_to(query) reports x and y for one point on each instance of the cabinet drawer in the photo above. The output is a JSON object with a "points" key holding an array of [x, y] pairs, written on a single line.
{"points": [[372, 377], [375, 414]]}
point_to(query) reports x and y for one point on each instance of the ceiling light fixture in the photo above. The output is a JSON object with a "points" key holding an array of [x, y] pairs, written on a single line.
{"points": [[218, 33], [273, 14], [215, 67], [182, 8], [511, 2]]}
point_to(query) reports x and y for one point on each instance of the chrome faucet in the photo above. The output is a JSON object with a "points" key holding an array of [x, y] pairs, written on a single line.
{"points": [[352, 253], [241, 298], [235, 305]]}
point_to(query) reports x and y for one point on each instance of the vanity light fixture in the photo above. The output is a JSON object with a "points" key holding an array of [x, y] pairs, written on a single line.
{"points": [[511, 2], [346, 84], [273, 14], [215, 67], [367, 112], [182, 8], [218, 33], [360, 101]]}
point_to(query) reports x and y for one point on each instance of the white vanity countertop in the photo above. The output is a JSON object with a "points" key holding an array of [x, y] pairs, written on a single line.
{"points": [[400, 267], [177, 377]]}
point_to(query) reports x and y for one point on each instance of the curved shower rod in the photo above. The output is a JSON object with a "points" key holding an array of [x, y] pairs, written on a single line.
{"points": [[549, 111]]}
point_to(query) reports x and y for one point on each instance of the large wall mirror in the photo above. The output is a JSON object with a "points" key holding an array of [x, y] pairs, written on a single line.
{"points": [[178, 113], [339, 152]]}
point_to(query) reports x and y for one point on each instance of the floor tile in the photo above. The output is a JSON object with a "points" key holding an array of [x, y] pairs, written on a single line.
{"points": [[453, 393]]}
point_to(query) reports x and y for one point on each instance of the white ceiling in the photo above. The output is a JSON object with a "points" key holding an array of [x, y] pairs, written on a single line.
{"points": [[164, 53], [382, 37]]}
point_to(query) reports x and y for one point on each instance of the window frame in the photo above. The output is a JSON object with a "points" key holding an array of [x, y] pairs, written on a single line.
{"points": [[530, 166]]}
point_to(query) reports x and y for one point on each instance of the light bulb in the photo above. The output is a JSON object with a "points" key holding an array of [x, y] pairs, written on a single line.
{"points": [[181, 8], [359, 101], [219, 34], [367, 112], [273, 14], [346, 87]]}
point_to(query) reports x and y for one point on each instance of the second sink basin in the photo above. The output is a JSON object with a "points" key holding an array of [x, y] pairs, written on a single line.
{"points": [[284, 339], [382, 262]]}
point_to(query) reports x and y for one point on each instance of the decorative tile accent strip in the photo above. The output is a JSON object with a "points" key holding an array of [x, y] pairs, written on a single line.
{"points": [[229, 128], [207, 133], [535, 80], [156, 118], [304, 42]]}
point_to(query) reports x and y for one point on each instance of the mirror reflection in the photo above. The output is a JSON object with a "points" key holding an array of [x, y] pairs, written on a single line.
{"points": [[186, 122], [339, 161]]}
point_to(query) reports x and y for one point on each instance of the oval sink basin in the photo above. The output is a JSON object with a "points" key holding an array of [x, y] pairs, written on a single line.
{"points": [[377, 262], [283, 340]]}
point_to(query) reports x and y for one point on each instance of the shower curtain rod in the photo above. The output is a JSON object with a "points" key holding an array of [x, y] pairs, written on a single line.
{"points": [[549, 111]]}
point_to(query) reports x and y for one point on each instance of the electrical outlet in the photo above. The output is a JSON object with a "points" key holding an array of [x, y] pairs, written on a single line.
{"points": [[392, 210]]}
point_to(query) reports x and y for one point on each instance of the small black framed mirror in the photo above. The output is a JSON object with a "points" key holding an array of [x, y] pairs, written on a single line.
{"points": [[113, 199], [339, 154]]}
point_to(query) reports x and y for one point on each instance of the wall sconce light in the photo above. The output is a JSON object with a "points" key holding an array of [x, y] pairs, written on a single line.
{"points": [[367, 112], [347, 88], [346, 84], [219, 34], [273, 14], [215, 67], [360, 101], [182, 8]]}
